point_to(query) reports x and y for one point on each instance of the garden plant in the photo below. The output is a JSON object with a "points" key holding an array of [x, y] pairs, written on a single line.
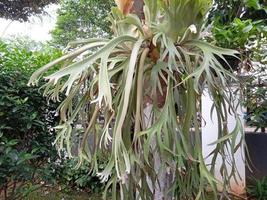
{"points": [[26, 121], [137, 97], [28, 159], [241, 25], [84, 24]]}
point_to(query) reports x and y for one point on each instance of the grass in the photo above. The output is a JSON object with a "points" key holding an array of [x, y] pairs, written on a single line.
{"points": [[76, 195], [55, 195]]}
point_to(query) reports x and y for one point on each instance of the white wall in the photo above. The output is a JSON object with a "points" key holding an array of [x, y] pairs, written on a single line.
{"points": [[209, 135]]}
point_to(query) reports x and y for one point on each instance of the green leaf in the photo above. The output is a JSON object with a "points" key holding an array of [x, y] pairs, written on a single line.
{"points": [[253, 4], [247, 28]]}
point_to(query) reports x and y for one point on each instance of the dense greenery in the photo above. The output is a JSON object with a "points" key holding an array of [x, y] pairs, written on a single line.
{"points": [[22, 9], [239, 33], [256, 99], [26, 119], [258, 189], [28, 160], [81, 19], [235, 26], [241, 25], [227, 10]]}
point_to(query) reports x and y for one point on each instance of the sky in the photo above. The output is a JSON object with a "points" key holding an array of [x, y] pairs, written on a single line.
{"points": [[37, 28]]}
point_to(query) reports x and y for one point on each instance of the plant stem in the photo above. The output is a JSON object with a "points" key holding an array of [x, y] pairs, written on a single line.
{"points": [[190, 101]]}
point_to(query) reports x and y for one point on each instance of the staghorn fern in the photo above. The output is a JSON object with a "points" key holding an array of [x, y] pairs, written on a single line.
{"points": [[157, 62]]}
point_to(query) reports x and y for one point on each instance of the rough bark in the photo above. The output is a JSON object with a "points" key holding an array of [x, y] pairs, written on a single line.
{"points": [[138, 8]]}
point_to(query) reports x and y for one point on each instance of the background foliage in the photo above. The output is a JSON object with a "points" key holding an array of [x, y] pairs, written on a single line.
{"points": [[26, 118], [258, 190], [28, 160], [81, 19], [241, 25], [228, 10]]}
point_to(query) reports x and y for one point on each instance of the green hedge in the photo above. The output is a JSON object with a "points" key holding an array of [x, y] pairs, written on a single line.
{"points": [[28, 160], [26, 120]]}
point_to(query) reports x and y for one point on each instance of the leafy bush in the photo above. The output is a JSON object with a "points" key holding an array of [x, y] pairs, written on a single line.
{"points": [[256, 99], [240, 25], [70, 178], [258, 190], [24, 55], [237, 33], [26, 119], [71, 24], [15, 168], [228, 10], [28, 160]]}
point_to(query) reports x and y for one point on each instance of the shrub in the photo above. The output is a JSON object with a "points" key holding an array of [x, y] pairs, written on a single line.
{"points": [[69, 178], [28, 160], [258, 190], [26, 119], [256, 100]]}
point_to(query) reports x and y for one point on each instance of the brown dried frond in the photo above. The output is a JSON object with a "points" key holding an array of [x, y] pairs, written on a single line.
{"points": [[125, 5]]}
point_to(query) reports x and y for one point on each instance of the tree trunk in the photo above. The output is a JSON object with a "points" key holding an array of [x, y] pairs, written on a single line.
{"points": [[138, 8], [163, 176]]}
